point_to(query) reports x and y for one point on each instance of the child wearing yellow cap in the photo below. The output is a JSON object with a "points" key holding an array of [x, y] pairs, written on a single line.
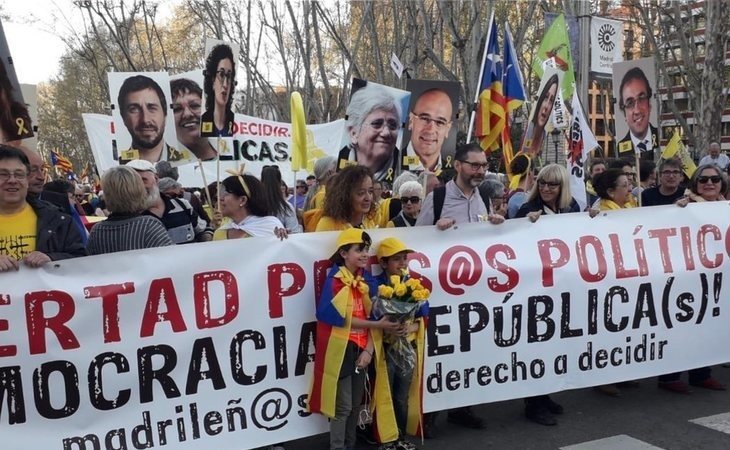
{"points": [[405, 386], [347, 342]]}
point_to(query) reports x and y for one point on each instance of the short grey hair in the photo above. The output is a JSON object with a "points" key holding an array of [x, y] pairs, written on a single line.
{"points": [[403, 178], [368, 99], [493, 187], [165, 184], [124, 191], [324, 165], [410, 189]]}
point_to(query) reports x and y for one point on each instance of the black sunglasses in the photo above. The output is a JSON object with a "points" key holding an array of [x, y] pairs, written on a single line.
{"points": [[415, 199], [713, 178]]}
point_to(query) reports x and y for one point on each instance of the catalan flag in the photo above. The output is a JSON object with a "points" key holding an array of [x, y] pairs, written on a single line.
{"points": [[490, 110], [61, 161], [513, 90], [334, 319]]}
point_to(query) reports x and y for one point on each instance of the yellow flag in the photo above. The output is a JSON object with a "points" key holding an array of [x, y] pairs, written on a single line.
{"points": [[672, 146], [676, 149], [298, 133]]}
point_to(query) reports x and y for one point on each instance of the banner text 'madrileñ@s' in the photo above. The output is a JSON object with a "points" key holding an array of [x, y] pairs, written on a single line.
{"points": [[211, 344]]}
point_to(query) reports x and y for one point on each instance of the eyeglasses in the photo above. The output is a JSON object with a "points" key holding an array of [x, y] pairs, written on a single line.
{"points": [[224, 76], [642, 99], [415, 199], [671, 172], [704, 179], [549, 184], [426, 120], [18, 175], [378, 124], [476, 166], [630, 174]]}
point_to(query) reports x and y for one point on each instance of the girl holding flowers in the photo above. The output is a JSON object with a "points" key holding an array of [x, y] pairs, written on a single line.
{"points": [[405, 299], [347, 342]]}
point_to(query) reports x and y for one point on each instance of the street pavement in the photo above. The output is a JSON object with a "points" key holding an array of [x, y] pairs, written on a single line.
{"points": [[643, 418]]}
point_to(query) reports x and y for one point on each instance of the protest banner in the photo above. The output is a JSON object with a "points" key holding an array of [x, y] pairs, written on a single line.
{"points": [[195, 347], [259, 142]]}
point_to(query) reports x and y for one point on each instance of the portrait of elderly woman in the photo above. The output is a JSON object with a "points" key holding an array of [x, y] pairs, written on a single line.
{"points": [[374, 118], [218, 85]]}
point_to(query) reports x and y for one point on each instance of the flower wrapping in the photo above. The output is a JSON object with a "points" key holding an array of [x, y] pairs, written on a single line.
{"points": [[399, 300]]}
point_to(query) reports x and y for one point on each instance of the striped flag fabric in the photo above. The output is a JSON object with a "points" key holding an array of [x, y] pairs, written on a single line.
{"points": [[61, 161], [513, 90], [490, 110]]}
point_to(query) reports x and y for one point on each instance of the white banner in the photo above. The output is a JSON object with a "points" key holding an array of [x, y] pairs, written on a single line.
{"points": [[196, 347], [580, 141], [607, 44], [258, 142]]}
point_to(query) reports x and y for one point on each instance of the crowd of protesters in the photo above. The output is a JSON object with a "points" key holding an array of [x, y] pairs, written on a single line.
{"points": [[142, 205]]}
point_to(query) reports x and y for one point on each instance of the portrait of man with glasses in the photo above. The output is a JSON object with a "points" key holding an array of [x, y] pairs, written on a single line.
{"points": [[141, 109], [373, 122], [634, 95], [218, 85], [430, 134]]}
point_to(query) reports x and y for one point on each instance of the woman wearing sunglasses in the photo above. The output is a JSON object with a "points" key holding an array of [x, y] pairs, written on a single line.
{"points": [[411, 194], [549, 195], [708, 184]]}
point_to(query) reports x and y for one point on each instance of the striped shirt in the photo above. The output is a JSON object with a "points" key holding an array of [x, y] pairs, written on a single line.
{"points": [[122, 233]]}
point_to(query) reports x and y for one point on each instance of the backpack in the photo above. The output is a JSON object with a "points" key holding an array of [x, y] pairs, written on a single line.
{"points": [[439, 194]]}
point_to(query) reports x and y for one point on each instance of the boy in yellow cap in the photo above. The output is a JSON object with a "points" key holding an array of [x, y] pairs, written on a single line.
{"points": [[405, 385], [346, 344]]}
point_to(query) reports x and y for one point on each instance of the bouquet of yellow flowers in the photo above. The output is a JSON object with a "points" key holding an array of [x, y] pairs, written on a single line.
{"points": [[399, 300]]}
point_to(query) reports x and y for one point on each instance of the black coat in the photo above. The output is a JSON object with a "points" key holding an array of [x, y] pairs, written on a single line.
{"points": [[56, 235], [538, 205]]}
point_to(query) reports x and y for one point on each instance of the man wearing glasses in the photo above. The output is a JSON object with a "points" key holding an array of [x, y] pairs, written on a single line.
{"points": [[143, 107], [635, 102], [32, 232], [459, 201], [429, 123], [669, 190]]}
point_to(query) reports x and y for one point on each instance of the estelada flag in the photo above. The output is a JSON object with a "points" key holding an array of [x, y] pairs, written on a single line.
{"points": [[514, 92], [61, 161], [490, 110]]}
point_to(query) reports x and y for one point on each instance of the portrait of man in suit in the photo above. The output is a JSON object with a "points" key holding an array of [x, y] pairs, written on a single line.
{"points": [[635, 103]]}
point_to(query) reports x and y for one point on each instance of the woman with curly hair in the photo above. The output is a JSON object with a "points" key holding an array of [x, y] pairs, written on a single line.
{"points": [[220, 79], [349, 201]]}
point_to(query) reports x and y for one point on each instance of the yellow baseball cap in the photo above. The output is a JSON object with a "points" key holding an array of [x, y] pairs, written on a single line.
{"points": [[391, 246], [353, 236]]}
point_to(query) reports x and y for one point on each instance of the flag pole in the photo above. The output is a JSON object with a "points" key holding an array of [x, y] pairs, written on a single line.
{"points": [[479, 83]]}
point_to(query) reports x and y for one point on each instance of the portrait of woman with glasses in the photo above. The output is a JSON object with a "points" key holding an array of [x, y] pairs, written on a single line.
{"points": [[541, 112], [373, 121], [218, 85]]}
